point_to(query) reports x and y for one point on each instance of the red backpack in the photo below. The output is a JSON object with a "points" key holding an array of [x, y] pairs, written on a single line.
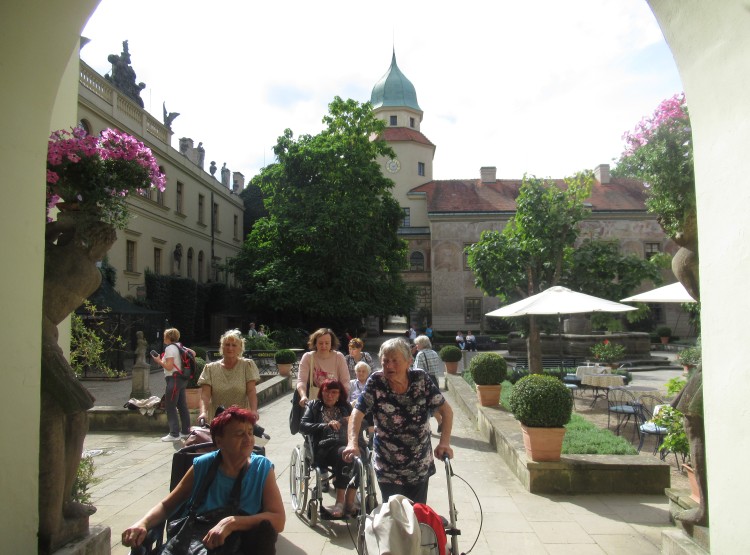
{"points": [[188, 363], [428, 518]]}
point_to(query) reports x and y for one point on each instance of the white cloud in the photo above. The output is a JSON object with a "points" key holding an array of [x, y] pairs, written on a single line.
{"points": [[541, 86]]}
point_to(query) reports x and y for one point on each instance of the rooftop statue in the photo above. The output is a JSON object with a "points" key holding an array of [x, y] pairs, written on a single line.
{"points": [[123, 76]]}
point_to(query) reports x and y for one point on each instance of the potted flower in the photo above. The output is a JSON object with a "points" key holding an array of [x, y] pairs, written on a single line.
{"points": [[488, 370], [543, 405], [690, 357], [608, 352], [284, 359], [94, 174], [664, 333], [450, 355]]}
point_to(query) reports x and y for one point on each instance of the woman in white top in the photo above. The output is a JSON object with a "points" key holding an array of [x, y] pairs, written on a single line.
{"points": [[229, 381], [327, 360], [174, 396]]}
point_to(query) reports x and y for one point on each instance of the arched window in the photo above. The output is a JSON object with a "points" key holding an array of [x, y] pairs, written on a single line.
{"points": [[200, 267], [190, 263], [85, 125], [416, 262]]}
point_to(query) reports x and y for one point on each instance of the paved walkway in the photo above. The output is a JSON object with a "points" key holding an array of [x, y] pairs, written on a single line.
{"points": [[135, 473]]}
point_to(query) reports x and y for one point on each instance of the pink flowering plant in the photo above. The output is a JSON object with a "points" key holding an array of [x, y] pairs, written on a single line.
{"points": [[608, 352], [660, 152], [98, 173]]}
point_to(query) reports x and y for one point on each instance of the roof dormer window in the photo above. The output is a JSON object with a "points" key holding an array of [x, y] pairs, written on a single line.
{"points": [[394, 120]]}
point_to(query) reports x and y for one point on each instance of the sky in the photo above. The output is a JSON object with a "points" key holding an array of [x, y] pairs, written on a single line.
{"points": [[542, 87]]}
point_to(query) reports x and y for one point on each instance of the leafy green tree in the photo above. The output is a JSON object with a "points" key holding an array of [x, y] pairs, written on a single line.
{"points": [[528, 255], [328, 249], [660, 152], [252, 197], [598, 268]]}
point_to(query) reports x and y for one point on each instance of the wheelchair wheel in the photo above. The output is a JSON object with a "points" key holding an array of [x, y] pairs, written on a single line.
{"points": [[298, 480]]}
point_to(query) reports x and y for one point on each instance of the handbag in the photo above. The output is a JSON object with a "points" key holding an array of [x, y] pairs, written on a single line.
{"points": [[295, 415], [185, 535]]}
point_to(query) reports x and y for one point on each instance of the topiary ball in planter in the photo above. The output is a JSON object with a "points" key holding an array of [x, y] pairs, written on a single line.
{"points": [[285, 356], [539, 401], [450, 353], [488, 369]]}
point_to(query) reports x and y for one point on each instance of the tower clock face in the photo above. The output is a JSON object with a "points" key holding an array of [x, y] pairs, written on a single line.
{"points": [[393, 165]]}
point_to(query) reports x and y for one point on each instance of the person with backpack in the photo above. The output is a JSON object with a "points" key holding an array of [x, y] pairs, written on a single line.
{"points": [[174, 374]]}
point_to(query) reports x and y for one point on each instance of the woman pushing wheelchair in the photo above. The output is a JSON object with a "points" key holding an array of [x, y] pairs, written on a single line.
{"points": [[213, 481]]}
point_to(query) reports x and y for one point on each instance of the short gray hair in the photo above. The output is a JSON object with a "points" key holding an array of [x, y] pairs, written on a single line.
{"points": [[395, 345], [423, 342], [362, 364]]}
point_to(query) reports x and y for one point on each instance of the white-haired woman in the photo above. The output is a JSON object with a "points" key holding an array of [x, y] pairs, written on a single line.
{"points": [[400, 401], [229, 381]]}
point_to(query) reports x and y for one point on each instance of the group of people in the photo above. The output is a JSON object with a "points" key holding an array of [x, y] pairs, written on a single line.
{"points": [[466, 342], [210, 483], [395, 404]]}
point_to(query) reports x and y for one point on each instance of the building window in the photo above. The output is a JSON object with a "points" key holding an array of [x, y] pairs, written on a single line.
{"points": [[157, 261], [236, 226], [420, 168], [215, 217], [200, 267], [412, 123], [178, 198], [130, 256], [416, 262], [406, 221], [466, 255], [201, 207], [85, 125], [473, 310], [394, 120], [190, 263], [652, 249]]}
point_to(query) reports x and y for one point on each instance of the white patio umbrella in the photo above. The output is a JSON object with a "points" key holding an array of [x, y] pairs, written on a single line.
{"points": [[674, 293], [559, 300]]}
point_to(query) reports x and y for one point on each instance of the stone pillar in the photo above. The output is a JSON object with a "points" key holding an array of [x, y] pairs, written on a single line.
{"points": [[140, 388]]}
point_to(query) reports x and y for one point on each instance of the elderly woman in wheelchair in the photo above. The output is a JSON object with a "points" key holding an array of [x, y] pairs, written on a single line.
{"points": [[325, 423], [261, 510]]}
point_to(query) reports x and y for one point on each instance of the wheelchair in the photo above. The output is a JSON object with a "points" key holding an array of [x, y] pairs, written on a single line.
{"points": [[306, 484]]}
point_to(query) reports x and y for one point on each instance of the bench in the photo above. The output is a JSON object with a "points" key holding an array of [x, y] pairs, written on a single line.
{"points": [[522, 363]]}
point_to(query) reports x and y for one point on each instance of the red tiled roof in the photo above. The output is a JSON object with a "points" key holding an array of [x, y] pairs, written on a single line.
{"points": [[405, 134], [471, 195]]}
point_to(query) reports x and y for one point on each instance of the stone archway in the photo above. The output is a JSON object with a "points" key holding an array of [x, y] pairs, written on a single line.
{"points": [[710, 42]]}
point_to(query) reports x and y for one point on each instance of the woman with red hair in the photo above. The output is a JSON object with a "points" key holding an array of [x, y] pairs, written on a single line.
{"points": [[261, 516]]}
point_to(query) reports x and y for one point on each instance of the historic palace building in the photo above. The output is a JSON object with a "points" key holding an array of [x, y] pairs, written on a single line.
{"points": [[443, 216]]}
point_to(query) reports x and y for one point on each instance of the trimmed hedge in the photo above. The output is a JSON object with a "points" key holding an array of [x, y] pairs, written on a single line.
{"points": [[488, 369], [450, 353], [540, 401]]}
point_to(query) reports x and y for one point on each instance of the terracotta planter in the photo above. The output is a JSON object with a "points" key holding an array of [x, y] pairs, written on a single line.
{"points": [[284, 369], [193, 397], [451, 367], [489, 395], [543, 444], [695, 493]]}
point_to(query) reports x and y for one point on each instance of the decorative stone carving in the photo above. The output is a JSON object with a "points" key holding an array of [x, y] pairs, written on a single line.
{"points": [[123, 75], [74, 244]]}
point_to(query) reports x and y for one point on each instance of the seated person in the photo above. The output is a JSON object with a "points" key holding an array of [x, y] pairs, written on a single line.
{"points": [[460, 341], [357, 385], [471, 341], [262, 515], [326, 420]]}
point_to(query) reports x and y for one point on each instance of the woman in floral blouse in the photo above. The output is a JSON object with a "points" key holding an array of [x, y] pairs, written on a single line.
{"points": [[400, 401]]}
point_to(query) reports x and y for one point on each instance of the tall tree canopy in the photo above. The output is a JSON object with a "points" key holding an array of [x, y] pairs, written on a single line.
{"points": [[528, 255], [328, 248]]}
